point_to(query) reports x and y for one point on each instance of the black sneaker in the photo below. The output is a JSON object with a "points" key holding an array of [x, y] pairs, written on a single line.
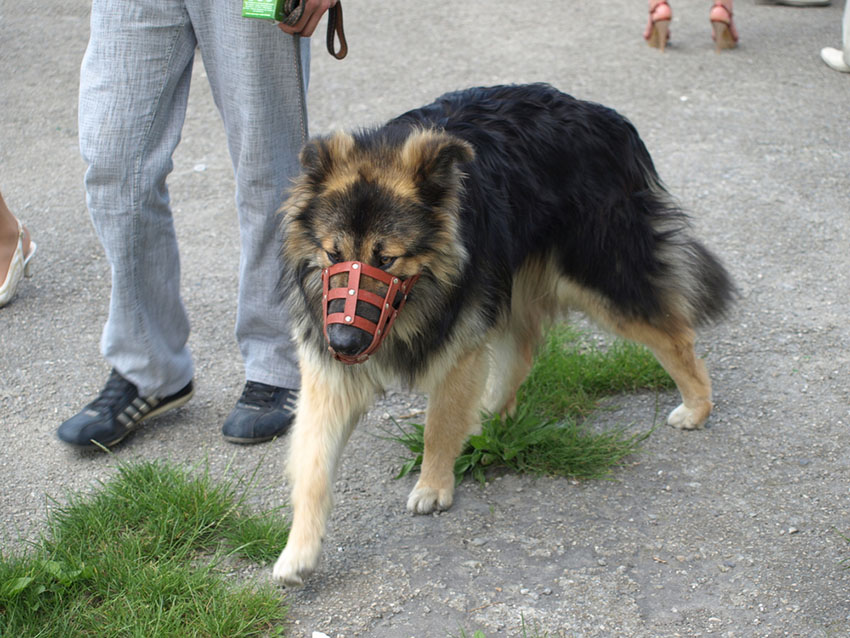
{"points": [[261, 413], [116, 412]]}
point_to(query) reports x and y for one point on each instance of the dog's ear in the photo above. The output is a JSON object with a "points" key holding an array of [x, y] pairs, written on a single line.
{"points": [[320, 155], [432, 159]]}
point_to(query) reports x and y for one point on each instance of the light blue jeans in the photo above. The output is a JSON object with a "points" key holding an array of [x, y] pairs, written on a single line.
{"points": [[134, 86]]}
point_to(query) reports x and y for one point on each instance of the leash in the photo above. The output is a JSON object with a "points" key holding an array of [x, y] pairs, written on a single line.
{"points": [[289, 12], [293, 9], [335, 29]]}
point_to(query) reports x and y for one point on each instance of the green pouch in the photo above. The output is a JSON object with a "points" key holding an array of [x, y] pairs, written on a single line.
{"points": [[286, 11], [289, 12]]}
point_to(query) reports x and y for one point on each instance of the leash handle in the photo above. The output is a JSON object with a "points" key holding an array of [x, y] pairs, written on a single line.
{"points": [[335, 30]]}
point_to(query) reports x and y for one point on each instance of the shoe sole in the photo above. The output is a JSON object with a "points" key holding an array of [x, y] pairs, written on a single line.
{"points": [[244, 441]]}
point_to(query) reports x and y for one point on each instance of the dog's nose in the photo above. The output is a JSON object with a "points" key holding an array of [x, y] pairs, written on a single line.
{"points": [[348, 340]]}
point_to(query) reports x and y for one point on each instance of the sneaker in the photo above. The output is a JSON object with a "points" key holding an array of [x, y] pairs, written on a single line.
{"points": [[261, 413], [116, 412], [836, 59]]}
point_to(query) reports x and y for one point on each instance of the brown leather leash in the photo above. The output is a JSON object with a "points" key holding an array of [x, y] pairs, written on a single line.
{"points": [[292, 11], [335, 29]]}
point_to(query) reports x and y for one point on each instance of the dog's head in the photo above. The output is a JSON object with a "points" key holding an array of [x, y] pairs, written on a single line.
{"points": [[369, 214]]}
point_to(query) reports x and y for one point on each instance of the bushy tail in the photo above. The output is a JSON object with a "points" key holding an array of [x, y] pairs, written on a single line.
{"points": [[691, 272], [711, 292]]}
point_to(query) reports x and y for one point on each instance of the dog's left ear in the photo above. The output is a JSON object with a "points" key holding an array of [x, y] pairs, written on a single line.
{"points": [[432, 158], [319, 155]]}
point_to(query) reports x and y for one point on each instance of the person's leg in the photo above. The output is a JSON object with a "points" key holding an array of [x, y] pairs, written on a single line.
{"points": [[134, 85], [258, 77], [845, 33]]}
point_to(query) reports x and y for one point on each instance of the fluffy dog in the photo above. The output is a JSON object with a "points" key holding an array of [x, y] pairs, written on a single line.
{"points": [[506, 206]]}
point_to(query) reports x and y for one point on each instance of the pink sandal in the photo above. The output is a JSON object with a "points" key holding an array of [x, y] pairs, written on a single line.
{"points": [[658, 30], [724, 34]]}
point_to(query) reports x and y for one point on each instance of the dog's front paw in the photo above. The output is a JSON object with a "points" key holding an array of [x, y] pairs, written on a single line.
{"points": [[424, 500], [685, 418], [294, 565]]}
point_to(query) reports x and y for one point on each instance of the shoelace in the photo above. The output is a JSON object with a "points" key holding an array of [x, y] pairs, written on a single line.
{"points": [[116, 388], [265, 396]]}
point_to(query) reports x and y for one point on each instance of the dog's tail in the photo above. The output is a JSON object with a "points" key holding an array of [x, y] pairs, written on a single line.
{"points": [[691, 274], [708, 289]]}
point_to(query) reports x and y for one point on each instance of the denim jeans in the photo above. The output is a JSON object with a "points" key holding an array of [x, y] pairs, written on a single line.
{"points": [[134, 86]]}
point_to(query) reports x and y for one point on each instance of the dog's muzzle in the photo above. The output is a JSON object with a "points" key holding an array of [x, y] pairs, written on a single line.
{"points": [[352, 337]]}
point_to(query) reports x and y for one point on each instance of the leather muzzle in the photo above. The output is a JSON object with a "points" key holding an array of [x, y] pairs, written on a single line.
{"points": [[387, 307]]}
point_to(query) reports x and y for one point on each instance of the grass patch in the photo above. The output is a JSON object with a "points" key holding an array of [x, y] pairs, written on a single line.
{"points": [[142, 556], [570, 374], [524, 629], [547, 436]]}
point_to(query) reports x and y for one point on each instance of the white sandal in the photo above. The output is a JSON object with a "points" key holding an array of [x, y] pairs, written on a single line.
{"points": [[18, 268]]}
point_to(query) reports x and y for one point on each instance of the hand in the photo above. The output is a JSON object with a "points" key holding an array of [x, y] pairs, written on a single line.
{"points": [[313, 12]]}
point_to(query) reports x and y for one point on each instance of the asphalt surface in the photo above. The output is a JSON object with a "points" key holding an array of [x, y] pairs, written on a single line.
{"points": [[735, 530]]}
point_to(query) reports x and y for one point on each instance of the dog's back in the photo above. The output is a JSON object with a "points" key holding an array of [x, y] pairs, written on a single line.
{"points": [[558, 177]]}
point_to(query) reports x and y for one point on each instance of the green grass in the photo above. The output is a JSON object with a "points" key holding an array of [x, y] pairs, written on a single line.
{"points": [[144, 555], [571, 374], [548, 435], [523, 629]]}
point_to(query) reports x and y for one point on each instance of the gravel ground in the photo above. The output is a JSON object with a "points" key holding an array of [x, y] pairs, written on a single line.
{"points": [[735, 530]]}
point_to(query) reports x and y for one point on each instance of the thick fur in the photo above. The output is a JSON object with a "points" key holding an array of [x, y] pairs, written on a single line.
{"points": [[515, 203]]}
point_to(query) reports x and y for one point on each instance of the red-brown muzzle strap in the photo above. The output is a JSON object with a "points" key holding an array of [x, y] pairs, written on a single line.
{"points": [[352, 293]]}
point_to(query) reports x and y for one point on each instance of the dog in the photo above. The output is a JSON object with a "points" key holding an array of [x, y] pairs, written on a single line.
{"points": [[433, 252]]}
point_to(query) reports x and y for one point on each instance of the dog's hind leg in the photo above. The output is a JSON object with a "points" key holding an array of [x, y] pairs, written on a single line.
{"points": [[674, 349], [328, 410], [453, 414], [512, 358], [512, 349]]}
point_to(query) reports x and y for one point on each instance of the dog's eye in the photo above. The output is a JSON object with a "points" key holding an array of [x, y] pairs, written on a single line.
{"points": [[334, 258], [385, 262]]}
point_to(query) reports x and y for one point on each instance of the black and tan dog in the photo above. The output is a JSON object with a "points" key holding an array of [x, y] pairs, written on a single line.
{"points": [[486, 215]]}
